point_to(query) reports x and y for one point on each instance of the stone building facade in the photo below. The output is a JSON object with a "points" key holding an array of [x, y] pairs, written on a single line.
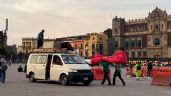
{"points": [[28, 44], [144, 38]]}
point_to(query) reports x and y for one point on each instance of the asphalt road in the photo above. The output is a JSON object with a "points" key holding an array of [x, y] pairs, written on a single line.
{"points": [[17, 85]]}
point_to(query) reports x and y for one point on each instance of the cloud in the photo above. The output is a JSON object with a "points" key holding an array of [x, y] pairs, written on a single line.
{"points": [[33, 6]]}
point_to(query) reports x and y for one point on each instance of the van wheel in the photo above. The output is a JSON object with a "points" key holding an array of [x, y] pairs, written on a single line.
{"points": [[32, 78], [86, 83], [64, 80]]}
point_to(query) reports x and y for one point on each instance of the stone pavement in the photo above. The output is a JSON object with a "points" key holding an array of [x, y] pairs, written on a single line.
{"points": [[17, 85]]}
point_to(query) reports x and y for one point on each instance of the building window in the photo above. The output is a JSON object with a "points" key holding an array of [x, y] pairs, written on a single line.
{"points": [[133, 54], [81, 46], [157, 27], [100, 46], [139, 43], [24, 44], [144, 54], [100, 38], [133, 43], [75, 45], [156, 41], [126, 44], [93, 46], [162, 26], [116, 43], [139, 53], [93, 38]]}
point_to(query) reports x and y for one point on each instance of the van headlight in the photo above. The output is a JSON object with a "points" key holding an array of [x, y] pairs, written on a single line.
{"points": [[73, 70]]}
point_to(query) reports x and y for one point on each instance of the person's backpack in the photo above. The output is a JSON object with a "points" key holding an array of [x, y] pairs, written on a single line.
{"points": [[4, 66], [139, 67]]}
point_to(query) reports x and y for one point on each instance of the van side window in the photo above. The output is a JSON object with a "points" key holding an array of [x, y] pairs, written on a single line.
{"points": [[57, 60], [41, 59], [33, 59]]}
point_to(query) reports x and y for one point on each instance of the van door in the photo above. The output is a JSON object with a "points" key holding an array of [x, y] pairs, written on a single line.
{"points": [[56, 68], [48, 65], [40, 66]]}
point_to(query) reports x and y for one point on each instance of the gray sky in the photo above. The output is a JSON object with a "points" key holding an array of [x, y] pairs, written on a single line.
{"points": [[61, 18]]}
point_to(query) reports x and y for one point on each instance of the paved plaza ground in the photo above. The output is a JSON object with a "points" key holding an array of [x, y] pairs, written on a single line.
{"points": [[17, 85]]}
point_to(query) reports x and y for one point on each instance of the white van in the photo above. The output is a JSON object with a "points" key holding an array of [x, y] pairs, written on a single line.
{"points": [[58, 66]]}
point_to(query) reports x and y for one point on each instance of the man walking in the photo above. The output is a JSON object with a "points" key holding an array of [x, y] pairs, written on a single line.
{"points": [[149, 68], [3, 70], [118, 73], [105, 66]]}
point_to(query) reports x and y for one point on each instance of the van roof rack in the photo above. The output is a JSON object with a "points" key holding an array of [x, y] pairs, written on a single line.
{"points": [[51, 50]]}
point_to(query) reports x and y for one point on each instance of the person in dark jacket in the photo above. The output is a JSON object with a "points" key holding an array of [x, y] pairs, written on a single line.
{"points": [[4, 67], [105, 66], [149, 68], [40, 39], [118, 73]]}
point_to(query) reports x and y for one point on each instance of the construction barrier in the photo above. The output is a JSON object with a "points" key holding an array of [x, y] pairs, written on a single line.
{"points": [[144, 71], [162, 79], [98, 73]]}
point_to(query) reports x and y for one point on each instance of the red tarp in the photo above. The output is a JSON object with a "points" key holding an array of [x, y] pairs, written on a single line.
{"points": [[120, 57], [95, 60], [117, 58]]}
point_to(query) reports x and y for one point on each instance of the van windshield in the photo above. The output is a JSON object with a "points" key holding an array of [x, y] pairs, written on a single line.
{"points": [[72, 59]]}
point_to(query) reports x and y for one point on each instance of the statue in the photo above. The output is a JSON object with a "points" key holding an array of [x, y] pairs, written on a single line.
{"points": [[40, 39]]}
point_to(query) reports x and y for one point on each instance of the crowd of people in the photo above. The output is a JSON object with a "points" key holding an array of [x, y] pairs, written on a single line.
{"points": [[148, 65]]}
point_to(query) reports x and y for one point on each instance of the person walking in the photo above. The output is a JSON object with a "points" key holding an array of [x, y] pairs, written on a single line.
{"points": [[4, 67], [149, 68], [105, 66], [138, 70], [118, 73]]}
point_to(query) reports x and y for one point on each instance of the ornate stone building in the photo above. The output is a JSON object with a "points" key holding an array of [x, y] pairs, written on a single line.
{"points": [[144, 38], [28, 44]]}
